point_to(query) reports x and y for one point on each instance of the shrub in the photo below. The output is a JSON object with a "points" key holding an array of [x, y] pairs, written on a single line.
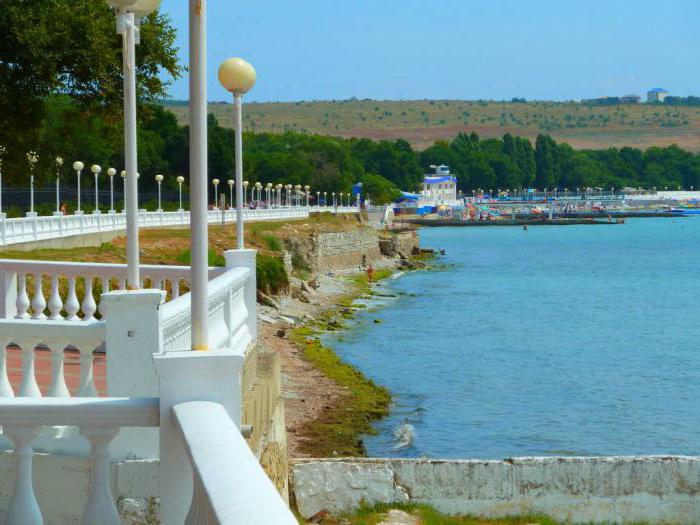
{"points": [[272, 277]]}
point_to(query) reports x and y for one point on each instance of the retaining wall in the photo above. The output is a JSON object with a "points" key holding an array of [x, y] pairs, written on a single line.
{"points": [[649, 489], [346, 249]]}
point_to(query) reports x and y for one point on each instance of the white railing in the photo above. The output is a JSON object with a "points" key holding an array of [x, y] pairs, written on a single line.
{"points": [[98, 419], [214, 445], [23, 338], [222, 481], [74, 289], [38, 228]]}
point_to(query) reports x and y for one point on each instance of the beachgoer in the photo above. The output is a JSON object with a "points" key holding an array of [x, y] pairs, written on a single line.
{"points": [[370, 273], [63, 209]]}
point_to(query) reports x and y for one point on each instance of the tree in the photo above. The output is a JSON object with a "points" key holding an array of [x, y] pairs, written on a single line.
{"points": [[70, 48], [547, 162]]}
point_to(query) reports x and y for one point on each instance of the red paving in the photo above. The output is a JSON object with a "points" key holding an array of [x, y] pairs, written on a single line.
{"points": [[42, 370]]}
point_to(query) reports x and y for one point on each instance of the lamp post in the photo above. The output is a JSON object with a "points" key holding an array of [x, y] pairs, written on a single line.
{"points": [[325, 200], [128, 12], [238, 77], [3, 149], [215, 182], [111, 172], [307, 188], [278, 197], [58, 161], [288, 188], [33, 158], [258, 186], [96, 169], [230, 191], [268, 189], [318, 199], [123, 176], [334, 202], [245, 192], [180, 179], [159, 180]]}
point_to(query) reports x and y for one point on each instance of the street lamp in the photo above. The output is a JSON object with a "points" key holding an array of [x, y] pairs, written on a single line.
{"points": [[215, 182], [318, 199], [288, 189], [279, 195], [325, 200], [268, 189], [3, 149], [111, 172], [180, 179], [334, 203], [123, 176], [58, 161], [128, 12], [307, 188], [258, 187], [96, 170], [33, 158], [245, 192], [230, 188], [237, 76], [159, 180]]}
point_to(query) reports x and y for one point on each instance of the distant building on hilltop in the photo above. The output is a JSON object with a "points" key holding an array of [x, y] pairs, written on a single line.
{"points": [[656, 95]]}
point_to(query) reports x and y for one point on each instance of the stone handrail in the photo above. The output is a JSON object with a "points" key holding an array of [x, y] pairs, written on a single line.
{"points": [[99, 420], [61, 283], [227, 314], [214, 446], [39, 228]]}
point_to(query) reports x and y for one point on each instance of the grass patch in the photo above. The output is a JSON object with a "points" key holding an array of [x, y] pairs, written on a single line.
{"points": [[214, 258], [272, 242], [272, 277]]}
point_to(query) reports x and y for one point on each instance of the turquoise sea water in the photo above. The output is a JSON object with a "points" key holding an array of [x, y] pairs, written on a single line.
{"points": [[577, 340]]}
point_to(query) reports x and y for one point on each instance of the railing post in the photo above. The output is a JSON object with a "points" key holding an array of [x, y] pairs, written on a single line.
{"points": [[190, 376], [246, 259], [132, 335], [8, 289]]}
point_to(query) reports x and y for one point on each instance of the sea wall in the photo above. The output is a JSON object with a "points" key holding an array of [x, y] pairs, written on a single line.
{"points": [[346, 249], [399, 241], [649, 489]]}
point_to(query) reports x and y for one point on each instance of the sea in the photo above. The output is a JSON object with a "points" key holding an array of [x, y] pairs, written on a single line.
{"points": [[556, 340]]}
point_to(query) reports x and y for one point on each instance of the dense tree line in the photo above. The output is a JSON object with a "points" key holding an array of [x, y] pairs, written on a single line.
{"points": [[334, 164]]}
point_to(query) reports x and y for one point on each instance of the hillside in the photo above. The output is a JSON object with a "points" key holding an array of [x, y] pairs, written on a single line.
{"points": [[421, 122]]}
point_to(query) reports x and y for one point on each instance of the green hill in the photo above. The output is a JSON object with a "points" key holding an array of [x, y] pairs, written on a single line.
{"points": [[421, 122]]}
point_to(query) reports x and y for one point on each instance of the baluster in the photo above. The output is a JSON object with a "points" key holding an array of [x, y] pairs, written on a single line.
{"points": [[175, 288], [22, 303], [58, 379], [29, 387], [105, 289], [122, 283], [199, 506], [72, 305], [100, 507], [23, 508], [55, 301], [38, 300], [89, 305], [5, 386], [87, 385]]}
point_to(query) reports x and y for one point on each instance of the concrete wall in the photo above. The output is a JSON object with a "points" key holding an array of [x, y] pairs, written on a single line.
{"points": [[87, 240], [650, 489], [399, 242], [346, 249]]}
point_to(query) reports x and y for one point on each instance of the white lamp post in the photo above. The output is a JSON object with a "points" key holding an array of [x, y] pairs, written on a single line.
{"points": [[334, 203], [318, 199], [180, 180], [159, 180], [59, 164], [238, 77], [215, 182], [128, 13], [279, 195], [341, 199], [245, 191], [258, 188], [307, 188], [3, 149], [33, 158], [123, 176], [230, 191], [268, 190], [111, 172], [96, 170], [325, 198]]}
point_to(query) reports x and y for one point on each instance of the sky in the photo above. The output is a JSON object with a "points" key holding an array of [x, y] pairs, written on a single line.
{"points": [[450, 49]]}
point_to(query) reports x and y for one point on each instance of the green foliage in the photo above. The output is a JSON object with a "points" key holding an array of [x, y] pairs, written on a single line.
{"points": [[272, 277], [214, 258], [63, 60], [272, 242]]}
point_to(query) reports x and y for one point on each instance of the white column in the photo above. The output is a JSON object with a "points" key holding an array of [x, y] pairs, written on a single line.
{"points": [[132, 336], [198, 172], [130, 146], [238, 109], [8, 297], [190, 376]]}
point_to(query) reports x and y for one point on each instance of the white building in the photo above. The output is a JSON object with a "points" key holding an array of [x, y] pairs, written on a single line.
{"points": [[656, 95], [439, 188]]}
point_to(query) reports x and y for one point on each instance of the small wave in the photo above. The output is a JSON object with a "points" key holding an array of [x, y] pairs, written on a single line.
{"points": [[404, 435]]}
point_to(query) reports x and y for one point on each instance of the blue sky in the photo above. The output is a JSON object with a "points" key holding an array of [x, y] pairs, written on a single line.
{"points": [[469, 49]]}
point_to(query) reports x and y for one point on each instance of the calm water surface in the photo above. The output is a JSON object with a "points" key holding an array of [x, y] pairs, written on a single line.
{"points": [[557, 340]]}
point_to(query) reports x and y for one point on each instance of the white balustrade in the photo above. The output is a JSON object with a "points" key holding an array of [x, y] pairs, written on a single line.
{"points": [[65, 280], [25, 335], [99, 420], [31, 229]]}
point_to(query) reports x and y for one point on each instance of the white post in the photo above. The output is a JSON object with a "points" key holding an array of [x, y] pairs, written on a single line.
{"points": [[58, 198], [31, 193], [127, 26], [8, 294], [246, 259], [132, 336], [198, 173], [240, 199], [190, 376], [112, 172]]}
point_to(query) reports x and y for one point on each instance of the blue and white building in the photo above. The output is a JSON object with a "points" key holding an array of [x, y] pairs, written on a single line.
{"points": [[439, 188]]}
